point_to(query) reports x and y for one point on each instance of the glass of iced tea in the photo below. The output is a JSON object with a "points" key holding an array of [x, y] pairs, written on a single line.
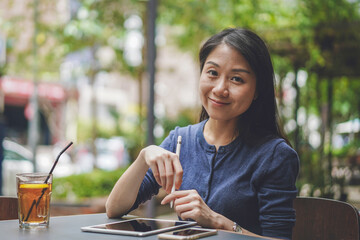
{"points": [[34, 192]]}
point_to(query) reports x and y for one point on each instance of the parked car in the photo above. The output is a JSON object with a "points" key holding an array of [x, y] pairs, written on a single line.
{"points": [[46, 156], [17, 159], [111, 153]]}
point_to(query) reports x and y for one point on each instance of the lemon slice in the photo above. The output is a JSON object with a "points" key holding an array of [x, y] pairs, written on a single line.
{"points": [[34, 185]]}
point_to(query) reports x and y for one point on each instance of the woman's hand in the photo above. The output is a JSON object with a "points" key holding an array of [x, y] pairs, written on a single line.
{"points": [[164, 165], [189, 205]]}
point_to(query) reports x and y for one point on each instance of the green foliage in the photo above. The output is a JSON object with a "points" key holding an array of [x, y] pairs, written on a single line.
{"points": [[103, 131], [324, 11], [134, 135], [311, 170], [77, 187], [347, 151], [321, 37], [184, 118]]}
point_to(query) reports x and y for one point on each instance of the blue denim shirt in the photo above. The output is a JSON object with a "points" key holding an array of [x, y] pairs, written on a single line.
{"points": [[253, 186]]}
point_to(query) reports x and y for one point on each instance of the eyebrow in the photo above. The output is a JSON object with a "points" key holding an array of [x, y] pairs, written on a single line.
{"points": [[233, 70]]}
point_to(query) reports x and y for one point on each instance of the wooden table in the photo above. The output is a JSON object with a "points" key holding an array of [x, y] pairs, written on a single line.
{"points": [[68, 227]]}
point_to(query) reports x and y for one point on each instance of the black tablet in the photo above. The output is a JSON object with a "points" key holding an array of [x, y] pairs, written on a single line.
{"points": [[139, 226]]}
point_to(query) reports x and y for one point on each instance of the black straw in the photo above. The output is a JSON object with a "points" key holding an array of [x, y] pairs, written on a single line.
{"points": [[56, 161], [46, 180]]}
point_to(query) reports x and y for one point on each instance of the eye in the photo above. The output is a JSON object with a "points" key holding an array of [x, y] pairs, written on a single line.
{"points": [[212, 73], [237, 79]]}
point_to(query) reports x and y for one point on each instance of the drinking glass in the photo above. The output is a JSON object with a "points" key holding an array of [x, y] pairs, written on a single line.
{"points": [[34, 192]]}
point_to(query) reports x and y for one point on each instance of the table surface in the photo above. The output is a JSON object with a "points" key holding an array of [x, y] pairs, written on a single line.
{"points": [[68, 227]]}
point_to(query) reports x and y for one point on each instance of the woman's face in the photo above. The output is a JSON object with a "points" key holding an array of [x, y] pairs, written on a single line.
{"points": [[227, 84]]}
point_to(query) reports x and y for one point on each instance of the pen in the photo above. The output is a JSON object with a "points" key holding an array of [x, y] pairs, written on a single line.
{"points": [[178, 146]]}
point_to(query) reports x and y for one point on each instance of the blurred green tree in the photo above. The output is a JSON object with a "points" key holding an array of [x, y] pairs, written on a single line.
{"points": [[317, 38]]}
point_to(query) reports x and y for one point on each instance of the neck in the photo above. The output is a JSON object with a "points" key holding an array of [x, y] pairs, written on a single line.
{"points": [[220, 133]]}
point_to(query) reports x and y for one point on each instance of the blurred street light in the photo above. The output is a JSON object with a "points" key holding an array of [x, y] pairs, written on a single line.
{"points": [[2, 49], [33, 128], [151, 56]]}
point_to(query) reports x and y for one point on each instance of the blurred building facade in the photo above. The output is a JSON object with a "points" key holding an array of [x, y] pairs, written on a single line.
{"points": [[66, 100], [17, 112]]}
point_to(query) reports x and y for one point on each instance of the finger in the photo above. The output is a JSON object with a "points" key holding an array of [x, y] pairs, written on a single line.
{"points": [[168, 199], [178, 173], [176, 195], [188, 215], [162, 173], [156, 173], [169, 175], [185, 200], [182, 206]]}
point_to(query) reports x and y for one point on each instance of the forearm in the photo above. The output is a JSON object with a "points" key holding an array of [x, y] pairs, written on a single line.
{"points": [[125, 191]]}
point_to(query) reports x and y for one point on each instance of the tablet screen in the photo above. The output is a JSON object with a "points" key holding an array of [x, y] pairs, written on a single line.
{"points": [[140, 225]]}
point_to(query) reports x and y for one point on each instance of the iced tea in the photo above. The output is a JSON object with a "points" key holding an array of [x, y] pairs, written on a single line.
{"points": [[34, 200]]}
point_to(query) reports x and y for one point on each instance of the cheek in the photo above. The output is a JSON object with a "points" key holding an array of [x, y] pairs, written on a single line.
{"points": [[203, 87], [244, 97], [250, 92]]}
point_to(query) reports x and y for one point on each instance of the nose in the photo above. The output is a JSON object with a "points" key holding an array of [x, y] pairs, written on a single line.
{"points": [[221, 88]]}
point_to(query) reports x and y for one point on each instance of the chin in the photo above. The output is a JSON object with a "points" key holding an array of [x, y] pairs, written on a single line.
{"points": [[220, 118]]}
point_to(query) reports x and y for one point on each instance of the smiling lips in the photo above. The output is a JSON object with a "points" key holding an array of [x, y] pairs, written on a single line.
{"points": [[218, 103]]}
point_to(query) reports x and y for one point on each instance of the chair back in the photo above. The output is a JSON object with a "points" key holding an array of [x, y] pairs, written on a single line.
{"points": [[319, 218], [8, 208]]}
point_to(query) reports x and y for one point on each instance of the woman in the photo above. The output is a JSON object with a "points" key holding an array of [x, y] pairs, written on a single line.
{"points": [[236, 170]]}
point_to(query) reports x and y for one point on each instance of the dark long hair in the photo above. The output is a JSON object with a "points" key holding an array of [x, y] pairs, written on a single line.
{"points": [[262, 118]]}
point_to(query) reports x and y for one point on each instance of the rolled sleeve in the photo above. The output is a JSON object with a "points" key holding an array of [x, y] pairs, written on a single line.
{"points": [[277, 192], [149, 187]]}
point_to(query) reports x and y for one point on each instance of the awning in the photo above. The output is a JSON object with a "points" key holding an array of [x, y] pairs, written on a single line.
{"points": [[18, 91]]}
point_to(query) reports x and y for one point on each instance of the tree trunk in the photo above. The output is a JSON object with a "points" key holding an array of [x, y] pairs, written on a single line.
{"points": [[330, 92], [94, 131], [322, 110], [296, 108]]}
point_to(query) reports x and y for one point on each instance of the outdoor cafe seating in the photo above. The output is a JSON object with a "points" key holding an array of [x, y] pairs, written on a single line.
{"points": [[320, 218]]}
